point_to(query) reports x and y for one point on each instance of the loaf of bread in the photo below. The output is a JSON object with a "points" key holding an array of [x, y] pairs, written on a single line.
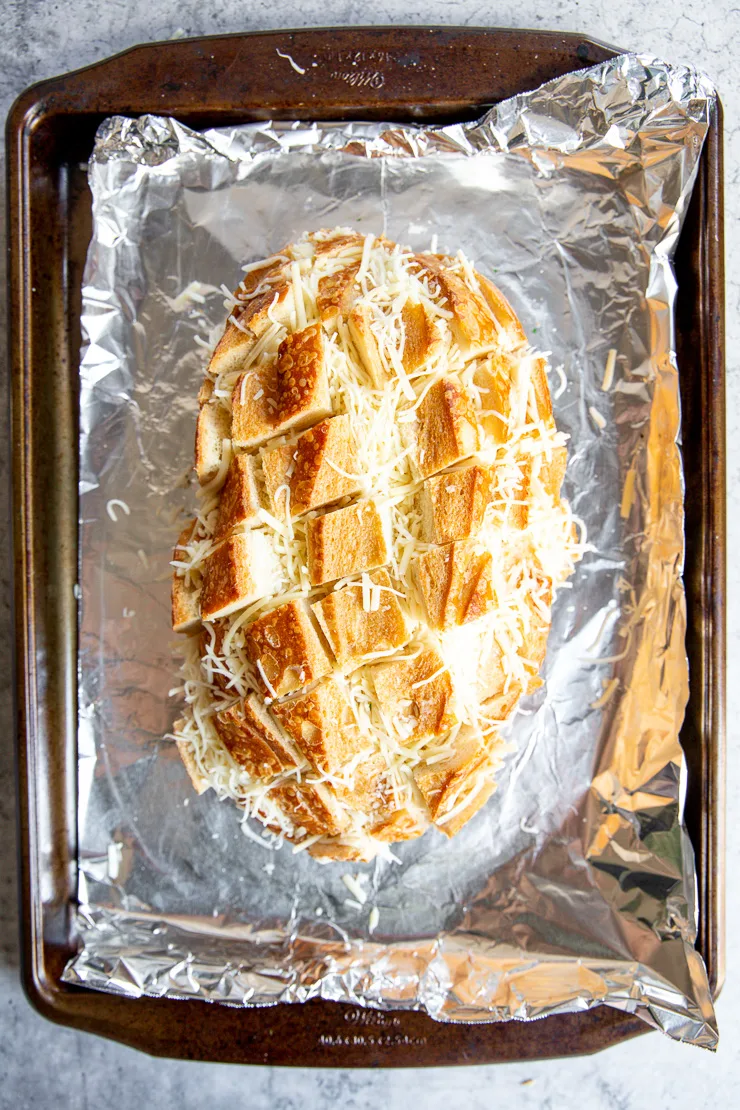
{"points": [[367, 583]]}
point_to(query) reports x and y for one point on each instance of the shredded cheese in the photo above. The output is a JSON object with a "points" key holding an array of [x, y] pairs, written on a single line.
{"points": [[382, 401]]}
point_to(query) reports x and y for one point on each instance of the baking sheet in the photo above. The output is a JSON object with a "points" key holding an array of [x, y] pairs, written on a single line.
{"points": [[575, 885]]}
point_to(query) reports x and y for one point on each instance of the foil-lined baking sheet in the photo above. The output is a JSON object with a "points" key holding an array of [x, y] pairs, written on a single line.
{"points": [[575, 885]]}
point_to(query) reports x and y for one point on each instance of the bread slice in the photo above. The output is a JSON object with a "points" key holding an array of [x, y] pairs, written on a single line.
{"points": [[456, 582], [255, 740], [185, 605], [347, 542], [422, 341], [254, 313], [503, 313], [319, 468], [360, 849], [453, 505], [337, 243], [355, 633], [239, 571], [415, 694], [403, 824], [455, 788], [322, 725], [446, 429], [240, 500], [212, 428], [286, 395], [423, 338], [474, 326], [551, 472], [336, 294], [285, 649], [185, 597], [199, 783], [359, 322], [313, 807], [515, 392]]}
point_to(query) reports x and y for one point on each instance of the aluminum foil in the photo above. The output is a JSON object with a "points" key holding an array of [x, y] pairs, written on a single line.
{"points": [[575, 886]]}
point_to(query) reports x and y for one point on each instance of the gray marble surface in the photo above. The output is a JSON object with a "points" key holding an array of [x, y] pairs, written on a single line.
{"points": [[45, 1066]]}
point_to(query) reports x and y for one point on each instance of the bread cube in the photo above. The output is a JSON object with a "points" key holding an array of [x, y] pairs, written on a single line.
{"points": [[255, 740], [456, 582], [446, 429], [239, 571], [347, 542], [240, 502], [453, 505], [212, 428], [286, 650], [315, 468], [356, 633], [322, 725], [285, 395], [415, 694]]}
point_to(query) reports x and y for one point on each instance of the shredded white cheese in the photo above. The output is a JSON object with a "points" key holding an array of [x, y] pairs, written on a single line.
{"points": [[528, 560]]}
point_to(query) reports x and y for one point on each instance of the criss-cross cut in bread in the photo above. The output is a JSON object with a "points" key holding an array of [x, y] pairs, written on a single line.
{"points": [[316, 470], [283, 395], [363, 619], [370, 574], [346, 541], [285, 649]]}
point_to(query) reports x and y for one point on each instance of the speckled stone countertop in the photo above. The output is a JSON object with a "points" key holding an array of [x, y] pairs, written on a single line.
{"points": [[42, 1065]]}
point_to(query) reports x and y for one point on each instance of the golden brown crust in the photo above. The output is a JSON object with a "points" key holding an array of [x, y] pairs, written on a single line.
{"points": [[474, 325], [285, 649], [185, 605], [422, 337], [185, 597], [346, 542], [239, 571], [456, 583], [285, 395], [314, 468], [453, 505], [359, 323], [355, 634], [312, 807], [185, 750], [253, 316], [254, 739], [467, 772], [240, 503], [446, 429], [336, 294], [322, 726], [415, 694]]}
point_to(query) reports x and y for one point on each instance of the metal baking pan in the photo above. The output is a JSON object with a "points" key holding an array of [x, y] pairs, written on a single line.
{"points": [[399, 73]]}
